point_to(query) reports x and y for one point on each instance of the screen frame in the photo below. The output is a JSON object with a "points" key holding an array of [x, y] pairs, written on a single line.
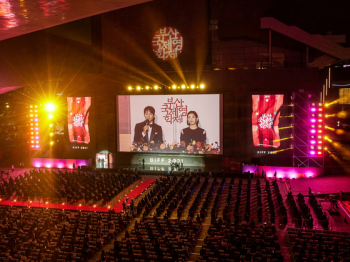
{"points": [[221, 132]]}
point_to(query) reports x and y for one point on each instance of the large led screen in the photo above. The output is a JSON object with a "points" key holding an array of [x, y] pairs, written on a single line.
{"points": [[188, 124], [271, 124], [78, 119]]}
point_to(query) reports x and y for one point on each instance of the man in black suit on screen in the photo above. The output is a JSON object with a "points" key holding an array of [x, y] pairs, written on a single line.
{"points": [[148, 131]]}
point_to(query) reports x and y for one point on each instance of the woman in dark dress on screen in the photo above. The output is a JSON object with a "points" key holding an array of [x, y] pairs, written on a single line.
{"points": [[193, 132]]}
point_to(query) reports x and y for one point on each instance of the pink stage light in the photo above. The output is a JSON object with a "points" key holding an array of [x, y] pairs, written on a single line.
{"points": [[313, 120], [313, 131], [309, 174], [37, 164], [36, 119], [312, 152], [313, 142], [313, 109], [37, 146], [36, 137], [48, 165], [60, 165], [37, 128]]}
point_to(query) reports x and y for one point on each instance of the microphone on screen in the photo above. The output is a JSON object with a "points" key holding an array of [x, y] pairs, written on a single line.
{"points": [[147, 123]]}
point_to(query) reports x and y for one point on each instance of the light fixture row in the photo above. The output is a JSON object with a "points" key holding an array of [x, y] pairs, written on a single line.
{"points": [[173, 87]]}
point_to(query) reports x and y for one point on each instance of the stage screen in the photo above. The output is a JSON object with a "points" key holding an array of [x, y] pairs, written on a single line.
{"points": [[78, 119], [186, 124], [271, 124]]}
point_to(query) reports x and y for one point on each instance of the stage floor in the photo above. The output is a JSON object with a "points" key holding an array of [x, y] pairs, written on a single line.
{"points": [[166, 168], [322, 185]]}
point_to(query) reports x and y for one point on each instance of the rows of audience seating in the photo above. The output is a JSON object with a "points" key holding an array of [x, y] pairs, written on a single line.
{"points": [[175, 200], [208, 197], [281, 207], [318, 245], [90, 186], [187, 197], [321, 216], [215, 207], [228, 242], [152, 198], [195, 204], [156, 239], [55, 235]]}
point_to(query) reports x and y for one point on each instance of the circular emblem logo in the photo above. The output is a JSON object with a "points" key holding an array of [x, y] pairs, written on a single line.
{"points": [[167, 43]]}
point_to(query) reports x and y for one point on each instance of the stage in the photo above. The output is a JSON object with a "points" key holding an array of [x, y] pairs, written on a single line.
{"points": [[165, 169]]}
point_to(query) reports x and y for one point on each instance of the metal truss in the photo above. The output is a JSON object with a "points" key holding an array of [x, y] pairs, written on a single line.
{"points": [[301, 136]]}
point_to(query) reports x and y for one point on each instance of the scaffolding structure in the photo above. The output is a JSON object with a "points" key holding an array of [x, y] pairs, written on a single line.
{"points": [[302, 136]]}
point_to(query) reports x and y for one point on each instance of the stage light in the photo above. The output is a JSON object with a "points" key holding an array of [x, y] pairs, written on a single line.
{"points": [[174, 86], [313, 126], [320, 120], [51, 143], [312, 142], [32, 141], [50, 116], [192, 86], [313, 109], [202, 86], [138, 88], [313, 131], [31, 106], [7, 106], [50, 107], [51, 125], [156, 87], [325, 148], [31, 115], [313, 120], [183, 86], [319, 152], [36, 119], [320, 109], [312, 147], [37, 142], [147, 87], [319, 141], [129, 88], [37, 146], [35, 106], [312, 152], [319, 131], [319, 115], [320, 104], [51, 134]]}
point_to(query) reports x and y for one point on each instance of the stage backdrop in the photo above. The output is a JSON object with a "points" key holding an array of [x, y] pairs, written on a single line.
{"points": [[171, 118]]}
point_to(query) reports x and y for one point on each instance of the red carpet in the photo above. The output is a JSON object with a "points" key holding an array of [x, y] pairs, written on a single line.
{"points": [[134, 194], [118, 207]]}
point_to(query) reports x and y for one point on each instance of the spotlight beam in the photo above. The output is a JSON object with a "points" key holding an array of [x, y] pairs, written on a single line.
{"points": [[282, 139], [282, 150], [285, 127]]}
